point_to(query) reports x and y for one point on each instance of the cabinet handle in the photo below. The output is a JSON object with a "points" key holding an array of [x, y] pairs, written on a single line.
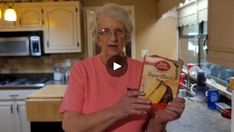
{"points": [[48, 44], [17, 109], [14, 96], [78, 44], [11, 109]]}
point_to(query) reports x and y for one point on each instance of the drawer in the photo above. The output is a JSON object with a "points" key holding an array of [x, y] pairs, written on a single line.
{"points": [[15, 94]]}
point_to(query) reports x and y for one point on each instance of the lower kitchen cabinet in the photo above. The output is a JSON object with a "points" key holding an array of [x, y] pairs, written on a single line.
{"points": [[13, 117]]}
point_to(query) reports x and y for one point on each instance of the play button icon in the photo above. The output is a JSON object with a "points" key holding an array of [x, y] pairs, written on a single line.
{"points": [[117, 66]]}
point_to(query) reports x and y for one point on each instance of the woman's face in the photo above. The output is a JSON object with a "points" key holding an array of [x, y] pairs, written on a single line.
{"points": [[111, 36]]}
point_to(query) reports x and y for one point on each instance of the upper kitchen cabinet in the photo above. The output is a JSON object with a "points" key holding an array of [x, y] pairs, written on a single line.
{"points": [[62, 27], [29, 15], [221, 30]]}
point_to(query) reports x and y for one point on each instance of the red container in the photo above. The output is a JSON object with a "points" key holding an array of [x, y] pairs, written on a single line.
{"points": [[190, 65]]}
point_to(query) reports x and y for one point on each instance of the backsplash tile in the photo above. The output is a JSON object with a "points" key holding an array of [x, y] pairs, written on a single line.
{"points": [[43, 64]]}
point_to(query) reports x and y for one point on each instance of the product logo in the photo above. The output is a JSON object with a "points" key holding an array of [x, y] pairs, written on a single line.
{"points": [[162, 66]]}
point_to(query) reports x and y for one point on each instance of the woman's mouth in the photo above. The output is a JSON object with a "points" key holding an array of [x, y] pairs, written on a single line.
{"points": [[113, 46]]}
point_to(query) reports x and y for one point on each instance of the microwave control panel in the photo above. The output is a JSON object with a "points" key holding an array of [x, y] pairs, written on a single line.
{"points": [[35, 45]]}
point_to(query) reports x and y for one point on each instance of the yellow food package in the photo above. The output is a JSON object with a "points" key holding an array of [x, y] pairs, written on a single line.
{"points": [[160, 79]]}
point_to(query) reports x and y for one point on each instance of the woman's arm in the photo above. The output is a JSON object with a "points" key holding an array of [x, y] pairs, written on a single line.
{"points": [[99, 121], [156, 126], [129, 104]]}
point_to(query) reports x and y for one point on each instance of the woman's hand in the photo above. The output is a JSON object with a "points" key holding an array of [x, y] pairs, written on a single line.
{"points": [[172, 112], [131, 103]]}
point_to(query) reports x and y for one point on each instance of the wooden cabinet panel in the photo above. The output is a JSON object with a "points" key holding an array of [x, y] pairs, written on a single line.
{"points": [[30, 17], [43, 110], [221, 32]]}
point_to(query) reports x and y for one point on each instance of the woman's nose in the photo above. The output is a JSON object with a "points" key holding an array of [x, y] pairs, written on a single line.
{"points": [[113, 37]]}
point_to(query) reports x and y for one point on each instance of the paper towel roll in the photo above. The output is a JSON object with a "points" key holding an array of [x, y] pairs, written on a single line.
{"points": [[232, 120]]}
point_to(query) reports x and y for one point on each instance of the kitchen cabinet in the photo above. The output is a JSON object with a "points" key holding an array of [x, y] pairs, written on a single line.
{"points": [[62, 27], [13, 117], [29, 15], [13, 111], [60, 22], [7, 117], [220, 30]]}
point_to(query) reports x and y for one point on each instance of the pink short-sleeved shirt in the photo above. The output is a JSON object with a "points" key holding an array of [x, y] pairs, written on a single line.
{"points": [[91, 88]]}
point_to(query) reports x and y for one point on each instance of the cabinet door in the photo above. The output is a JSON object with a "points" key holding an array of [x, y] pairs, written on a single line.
{"points": [[30, 17], [22, 124], [7, 117], [221, 30], [62, 29]]}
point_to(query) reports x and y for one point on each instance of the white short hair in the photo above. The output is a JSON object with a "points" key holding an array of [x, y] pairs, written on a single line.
{"points": [[117, 12]]}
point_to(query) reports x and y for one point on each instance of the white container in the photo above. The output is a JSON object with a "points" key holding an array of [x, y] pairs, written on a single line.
{"points": [[58, 75]]}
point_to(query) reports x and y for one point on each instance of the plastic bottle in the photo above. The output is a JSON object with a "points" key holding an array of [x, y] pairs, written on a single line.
{"points": [[213, 96], [67, 70]]}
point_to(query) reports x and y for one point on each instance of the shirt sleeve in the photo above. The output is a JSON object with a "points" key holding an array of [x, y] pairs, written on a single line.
{"points": [[74, 96]]}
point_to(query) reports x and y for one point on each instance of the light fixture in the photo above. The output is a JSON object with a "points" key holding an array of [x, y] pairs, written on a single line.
{"points": [[10, 13]]}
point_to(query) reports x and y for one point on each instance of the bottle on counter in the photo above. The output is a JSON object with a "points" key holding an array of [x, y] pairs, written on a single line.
{"points": [[67, 67]]}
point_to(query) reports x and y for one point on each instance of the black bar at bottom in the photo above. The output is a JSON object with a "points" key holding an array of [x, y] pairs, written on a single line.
{"points": [[46, 127]]}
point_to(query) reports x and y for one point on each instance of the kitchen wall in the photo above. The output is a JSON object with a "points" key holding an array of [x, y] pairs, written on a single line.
{"points": [[161, 37]]}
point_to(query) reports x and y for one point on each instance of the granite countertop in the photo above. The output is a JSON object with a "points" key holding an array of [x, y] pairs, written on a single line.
{"points": [[198, 118]]}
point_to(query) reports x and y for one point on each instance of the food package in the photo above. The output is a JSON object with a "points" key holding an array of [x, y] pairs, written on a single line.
{"points": [[160, 80]]}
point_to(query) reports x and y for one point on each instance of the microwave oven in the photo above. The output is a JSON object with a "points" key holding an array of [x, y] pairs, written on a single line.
{"points": [[21, 43]]}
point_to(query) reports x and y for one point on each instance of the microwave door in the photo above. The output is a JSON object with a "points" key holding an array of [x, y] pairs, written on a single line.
{"points": [[14, 46]]}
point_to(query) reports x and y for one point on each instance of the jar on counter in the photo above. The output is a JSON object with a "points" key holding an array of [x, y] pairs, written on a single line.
{"points": [[58, 74]]}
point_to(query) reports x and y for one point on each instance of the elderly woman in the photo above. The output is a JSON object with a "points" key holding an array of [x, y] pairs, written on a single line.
{"points": [[97, 101]]}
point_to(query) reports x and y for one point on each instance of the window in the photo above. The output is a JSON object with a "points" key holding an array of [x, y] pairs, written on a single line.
{"points": [[192, 48]]}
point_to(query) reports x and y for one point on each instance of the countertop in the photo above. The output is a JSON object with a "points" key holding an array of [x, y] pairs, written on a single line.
{"points": [[49, 92], [198, 118], [212, 84]]}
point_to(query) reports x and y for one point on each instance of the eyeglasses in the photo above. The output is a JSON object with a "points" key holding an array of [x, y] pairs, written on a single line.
{"points": [[106, 32]]}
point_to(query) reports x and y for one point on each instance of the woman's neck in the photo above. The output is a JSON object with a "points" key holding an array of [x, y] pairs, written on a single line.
{"points": [[104, 57]]}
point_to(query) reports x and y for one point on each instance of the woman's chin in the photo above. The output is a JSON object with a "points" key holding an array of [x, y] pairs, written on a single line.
{"points": [[113, 53]]}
